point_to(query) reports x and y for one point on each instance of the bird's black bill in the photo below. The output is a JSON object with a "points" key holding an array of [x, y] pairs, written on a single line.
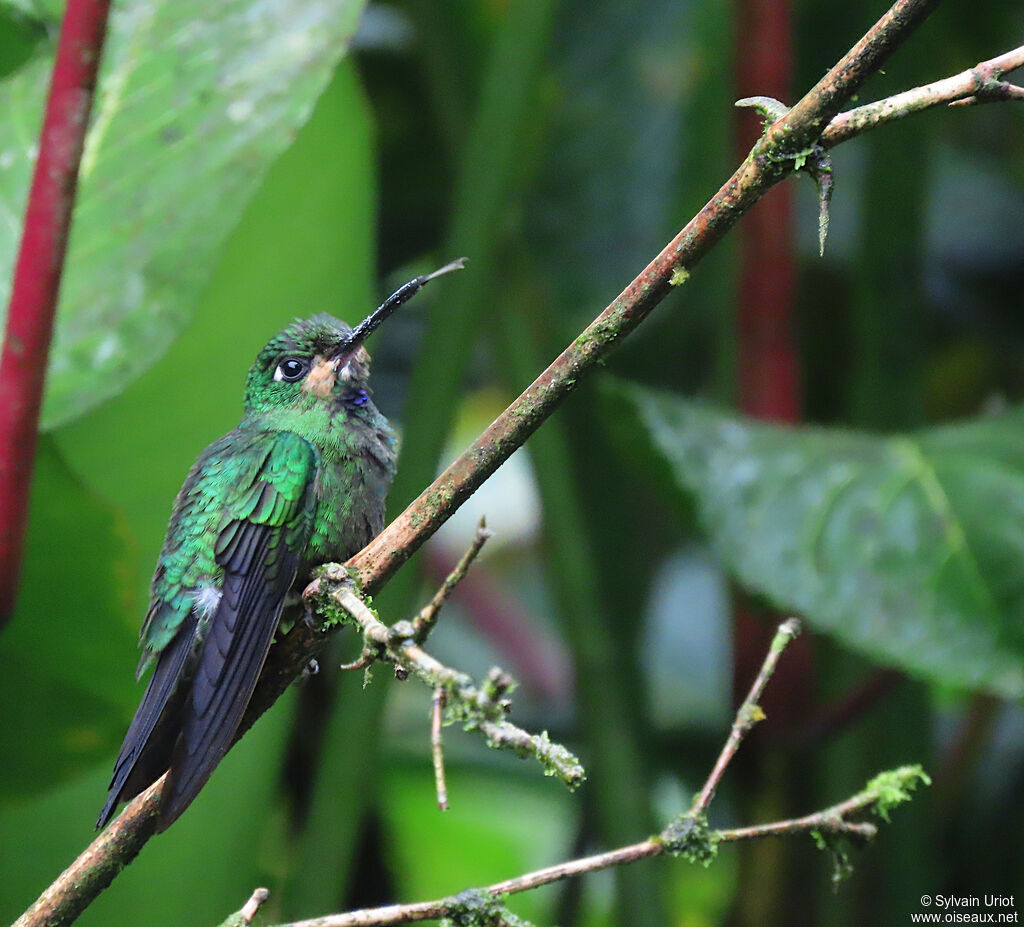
{"points": [[402, 295]]}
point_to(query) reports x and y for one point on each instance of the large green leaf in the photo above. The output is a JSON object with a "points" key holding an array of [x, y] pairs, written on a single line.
{"points": [[62, 680], [194, 103], [910, 548]]}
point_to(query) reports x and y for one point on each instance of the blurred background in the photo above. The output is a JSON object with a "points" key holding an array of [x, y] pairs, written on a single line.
{"points": [[252, 162]]}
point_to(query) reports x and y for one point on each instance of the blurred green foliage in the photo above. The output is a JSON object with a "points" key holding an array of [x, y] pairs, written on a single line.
{"points": [[558, 146]]}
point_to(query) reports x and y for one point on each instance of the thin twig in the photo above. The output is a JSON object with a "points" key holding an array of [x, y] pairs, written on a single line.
{"points": [[645, 849], [366, 658], [881, 794], [37, 275], [255, 902], [424, 622], [437, 746], [748, 715], [999, 91], [978, 84], [244, 917]]}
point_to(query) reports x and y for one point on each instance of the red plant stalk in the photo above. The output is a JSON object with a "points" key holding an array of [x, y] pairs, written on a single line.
{"points": [[769, 376], [38, 271], [768, 369]]}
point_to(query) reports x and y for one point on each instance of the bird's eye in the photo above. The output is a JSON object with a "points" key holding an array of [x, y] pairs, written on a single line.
{"points": [[291, 369]]}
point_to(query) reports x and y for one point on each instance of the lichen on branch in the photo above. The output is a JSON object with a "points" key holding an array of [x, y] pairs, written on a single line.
{"points": [[483, 707]]}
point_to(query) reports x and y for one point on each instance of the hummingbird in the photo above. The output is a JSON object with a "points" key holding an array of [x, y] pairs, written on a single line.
{"points": [[300, 481]]}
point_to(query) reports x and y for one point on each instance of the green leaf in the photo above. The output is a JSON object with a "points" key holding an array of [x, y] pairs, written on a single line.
{"points": [[195, 101], [40, 11], [61, 673], [910, 548], [20, 39]]}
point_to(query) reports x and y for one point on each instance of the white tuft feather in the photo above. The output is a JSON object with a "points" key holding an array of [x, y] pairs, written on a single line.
{"points": [[206, 599]]}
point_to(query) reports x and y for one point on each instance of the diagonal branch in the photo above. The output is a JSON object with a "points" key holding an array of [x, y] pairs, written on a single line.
{"points": [[763, 168], [748, 715]]}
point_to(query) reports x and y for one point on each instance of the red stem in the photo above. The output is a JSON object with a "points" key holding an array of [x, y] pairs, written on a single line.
{"points": [[769, 374], [38, 272], [768, 369]]}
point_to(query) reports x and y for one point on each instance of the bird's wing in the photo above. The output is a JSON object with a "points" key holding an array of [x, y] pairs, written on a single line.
{"points": [[259, 548], [172, 631]]}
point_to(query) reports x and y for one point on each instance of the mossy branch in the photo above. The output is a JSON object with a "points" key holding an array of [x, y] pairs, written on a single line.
{"points": [[476, 707], [689, 836]]}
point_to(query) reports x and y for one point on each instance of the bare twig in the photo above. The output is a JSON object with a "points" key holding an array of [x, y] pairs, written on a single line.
{"points": [[975, 85], [748, 715], [252, 906], [686, 836], [366, 658], [424, 622], [437, 746], [250, 909], [38, 271], [541, 659]]}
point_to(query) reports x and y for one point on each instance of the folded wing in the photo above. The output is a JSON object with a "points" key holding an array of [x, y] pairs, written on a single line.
{"points": [[260, 551], [206, 675]]}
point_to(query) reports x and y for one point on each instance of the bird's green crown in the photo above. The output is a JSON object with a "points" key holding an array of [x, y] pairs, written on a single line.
{"points": [[301, 365]]}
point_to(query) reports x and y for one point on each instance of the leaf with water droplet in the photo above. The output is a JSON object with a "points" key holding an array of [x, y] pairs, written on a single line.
{"points": [[194, 104], [909, 548]]}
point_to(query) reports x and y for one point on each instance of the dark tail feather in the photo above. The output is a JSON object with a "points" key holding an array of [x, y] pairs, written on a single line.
{"points": [[108, 810], [145, 757]]}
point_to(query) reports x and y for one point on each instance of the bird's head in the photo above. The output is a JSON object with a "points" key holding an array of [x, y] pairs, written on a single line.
{"points": [[323, 359], [310, 360]]}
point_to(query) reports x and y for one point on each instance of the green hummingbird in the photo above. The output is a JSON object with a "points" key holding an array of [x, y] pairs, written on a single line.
{"points": [[301, 480]]}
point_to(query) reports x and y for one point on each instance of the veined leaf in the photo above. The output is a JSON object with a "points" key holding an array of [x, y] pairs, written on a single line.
{"points": [[909, 548], [195, 102]]}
